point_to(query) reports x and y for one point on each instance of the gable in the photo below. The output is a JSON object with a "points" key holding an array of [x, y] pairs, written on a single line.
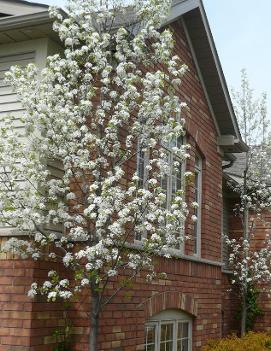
{"points": [[195, 22], [19, 7]]}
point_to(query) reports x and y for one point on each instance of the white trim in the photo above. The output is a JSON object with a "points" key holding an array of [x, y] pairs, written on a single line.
{"points": [[179, 8], [12, 22], [19, 8], [219, 68], [10, 232], [138, 245], [145, 160], [171, 157], [174, 318]]}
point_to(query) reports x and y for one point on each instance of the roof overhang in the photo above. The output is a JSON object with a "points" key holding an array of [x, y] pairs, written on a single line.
{"points": [[28, 26], [21, 21], [20, 7], [197, 26]]}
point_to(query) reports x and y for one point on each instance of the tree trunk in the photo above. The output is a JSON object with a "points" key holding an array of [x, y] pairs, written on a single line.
{"points": [[246, 236], [244, 314], [94, 319]]}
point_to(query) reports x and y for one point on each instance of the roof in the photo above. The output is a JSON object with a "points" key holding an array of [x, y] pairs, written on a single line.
{"points": [[194, 19], [20, 7], [212, 76], [235, 171]]}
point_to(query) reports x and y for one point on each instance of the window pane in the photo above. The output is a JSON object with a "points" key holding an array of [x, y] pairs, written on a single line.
{"points": [[180, 331], [150, 331], [140, 167], [180, 141], [150, 334], [164, 182], [179, 345], [196, 186], [197, 162], [166, 346], [176, 142], [169, 346], [166, 337], [176, 183], [185, 330], [163, 347], [185, 345], [166, 332]]}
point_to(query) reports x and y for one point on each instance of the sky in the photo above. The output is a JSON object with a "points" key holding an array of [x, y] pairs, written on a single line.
{"points": [[242, 33]]}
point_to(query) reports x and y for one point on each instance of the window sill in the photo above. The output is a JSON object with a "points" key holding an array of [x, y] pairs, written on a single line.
{"points": [[226, 271], [178, 254], [10, 232]]}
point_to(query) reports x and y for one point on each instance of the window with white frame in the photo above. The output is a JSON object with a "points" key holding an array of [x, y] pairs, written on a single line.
{"points": [[172, 182], [142, 173], [197, 210], [169, 331], [142, 161]]}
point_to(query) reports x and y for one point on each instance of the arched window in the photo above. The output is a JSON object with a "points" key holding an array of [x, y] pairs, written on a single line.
{"points": [[170, 330]]}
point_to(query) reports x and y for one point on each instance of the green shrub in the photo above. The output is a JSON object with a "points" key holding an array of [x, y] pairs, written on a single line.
{"points": [[249, 342]]}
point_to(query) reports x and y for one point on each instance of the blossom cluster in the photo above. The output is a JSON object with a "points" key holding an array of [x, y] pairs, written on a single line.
{"points": [[249, 266]]}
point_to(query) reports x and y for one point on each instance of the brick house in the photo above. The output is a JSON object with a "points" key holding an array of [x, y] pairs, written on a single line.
{"points": [[192, 304]]}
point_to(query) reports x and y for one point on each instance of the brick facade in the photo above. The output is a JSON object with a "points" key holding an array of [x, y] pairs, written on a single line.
{"points": [[194, 285]]}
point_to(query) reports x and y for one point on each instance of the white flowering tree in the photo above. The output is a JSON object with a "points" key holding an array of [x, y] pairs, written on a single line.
{"points": [[91, 113], [251, 265]]}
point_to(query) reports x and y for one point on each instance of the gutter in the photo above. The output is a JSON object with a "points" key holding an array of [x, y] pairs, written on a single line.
{"points": [[13, 22]]}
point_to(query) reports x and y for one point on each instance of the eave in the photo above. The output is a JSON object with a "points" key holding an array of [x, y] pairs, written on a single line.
{"points": [[20, 7], [25, 27], [212, 77]]}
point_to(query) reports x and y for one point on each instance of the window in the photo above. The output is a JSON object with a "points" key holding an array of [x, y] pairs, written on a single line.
{"points": [[172, 182], [197, 198], [169, 331], [142, 161]]}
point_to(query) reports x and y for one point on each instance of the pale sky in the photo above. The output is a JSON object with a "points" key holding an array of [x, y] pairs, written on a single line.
{"points": [[242, 32]]}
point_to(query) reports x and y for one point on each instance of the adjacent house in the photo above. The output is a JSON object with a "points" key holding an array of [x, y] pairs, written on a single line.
{"points": [[191, 305]]}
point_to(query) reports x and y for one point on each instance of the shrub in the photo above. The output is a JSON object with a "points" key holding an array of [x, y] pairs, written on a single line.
{"points": [[249, 342]]}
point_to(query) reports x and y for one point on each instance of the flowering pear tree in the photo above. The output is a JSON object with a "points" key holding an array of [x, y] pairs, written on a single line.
{"points": [[251, 266], [112, 96]]}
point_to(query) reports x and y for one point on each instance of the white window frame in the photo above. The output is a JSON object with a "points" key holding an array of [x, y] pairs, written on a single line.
{"points": [[143, 179], [169, 317], [172, 156], [198, 199], [145, 160]]}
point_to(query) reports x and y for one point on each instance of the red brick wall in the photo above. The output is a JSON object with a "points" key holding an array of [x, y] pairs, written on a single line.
{"points": [[202, 136], [197, 288], [261, 232], [26, 324]]}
